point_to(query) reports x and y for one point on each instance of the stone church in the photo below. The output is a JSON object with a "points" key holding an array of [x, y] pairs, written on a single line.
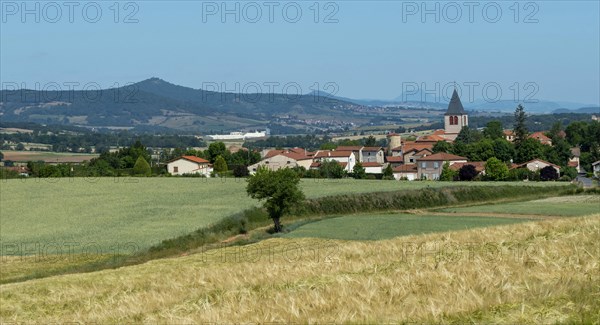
{"points": [[455, 118]]}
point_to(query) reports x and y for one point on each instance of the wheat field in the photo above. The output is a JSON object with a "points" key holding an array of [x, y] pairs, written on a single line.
{"points": [[536, 272]]}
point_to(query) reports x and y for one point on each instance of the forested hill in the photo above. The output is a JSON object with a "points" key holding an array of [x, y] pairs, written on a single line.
{"points": [[155, 102]]}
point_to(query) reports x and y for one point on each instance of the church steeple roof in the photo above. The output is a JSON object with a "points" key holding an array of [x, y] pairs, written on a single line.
{"points": [[455, 107]]}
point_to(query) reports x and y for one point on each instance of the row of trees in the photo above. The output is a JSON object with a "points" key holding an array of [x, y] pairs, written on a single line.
{"points": [[85, 140], [496, 170]]}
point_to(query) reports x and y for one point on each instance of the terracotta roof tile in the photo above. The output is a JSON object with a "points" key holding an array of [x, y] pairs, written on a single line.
{"points": [[371, 164], [192, 158], [405, 169], [336, 153], [442, 156], [394, 158], [479, 165]]}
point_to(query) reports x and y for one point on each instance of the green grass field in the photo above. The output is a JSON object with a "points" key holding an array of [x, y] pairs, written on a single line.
{"points": [[54, 157], [120, 215], [385, 226], [556, 206]]}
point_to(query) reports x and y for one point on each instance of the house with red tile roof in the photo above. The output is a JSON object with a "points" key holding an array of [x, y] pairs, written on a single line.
{"points": [[509, 135], [341, 156], [430, 167], [537, 164], [408, 172], [189, 165], [541, 137], [395, 161], [479, 166], [365, 154], [287, 158], [373, 167]]}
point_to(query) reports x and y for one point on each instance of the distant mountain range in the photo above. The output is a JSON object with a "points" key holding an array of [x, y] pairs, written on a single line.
{"points": [[158, 104], [505, 106]]}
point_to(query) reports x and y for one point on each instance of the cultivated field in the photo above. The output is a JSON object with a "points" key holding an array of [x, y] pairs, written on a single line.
{"points": [[121, 215], [50, 157], [534, 272], [555, 206], [385, 226]]}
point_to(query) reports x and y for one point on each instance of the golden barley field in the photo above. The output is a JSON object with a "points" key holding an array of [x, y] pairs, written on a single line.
{"points": [[535, 272]]}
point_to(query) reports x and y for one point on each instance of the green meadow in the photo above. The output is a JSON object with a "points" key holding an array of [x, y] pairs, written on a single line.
{"points": [[121, 215], [386, 226]]}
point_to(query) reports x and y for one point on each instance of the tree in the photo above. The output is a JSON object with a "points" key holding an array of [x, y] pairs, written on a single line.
{"points": [[388, 172], [441, 146], [279, 190], [141, 167], [240, 171], [495, 169], [215, 150], [447, 173], [20, 146], [529, 149], [1, 156], [220, 165], [520, 129], [548, 173], [358, 171], [559, 153], [493, 130], [331, 169], [467, 173], [503, 150], [371, 141], [468, 135], [481, 150], [328, 146], [571, 172]]}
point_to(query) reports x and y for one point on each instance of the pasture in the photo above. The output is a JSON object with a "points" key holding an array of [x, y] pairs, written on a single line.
{"points": [[554, 206], [534, 272], [386, 226], [122, 215]]}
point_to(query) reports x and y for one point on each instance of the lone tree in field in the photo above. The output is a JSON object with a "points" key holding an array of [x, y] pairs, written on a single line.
{"points": [[141, 167], [279, 189]]}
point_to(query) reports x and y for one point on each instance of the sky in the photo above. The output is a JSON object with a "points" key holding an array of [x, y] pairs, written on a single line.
{"points": [[546, 50]]}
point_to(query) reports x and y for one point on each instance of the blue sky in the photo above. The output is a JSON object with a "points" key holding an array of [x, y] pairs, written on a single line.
{"points": [[371, 49]]}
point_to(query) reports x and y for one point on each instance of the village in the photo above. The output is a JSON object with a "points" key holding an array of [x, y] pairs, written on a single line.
{"points": [[407, 160]]}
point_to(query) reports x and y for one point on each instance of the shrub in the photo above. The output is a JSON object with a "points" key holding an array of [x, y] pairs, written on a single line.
{"points": [[332, 169], [548, 173], [569, 171], [447, 173], [495, 169], [141, 167], [467, 173], [358, 171], [240, 171], [220, 164]]}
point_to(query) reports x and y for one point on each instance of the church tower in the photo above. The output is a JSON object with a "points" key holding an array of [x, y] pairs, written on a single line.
{"points": [[455, 118]]}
